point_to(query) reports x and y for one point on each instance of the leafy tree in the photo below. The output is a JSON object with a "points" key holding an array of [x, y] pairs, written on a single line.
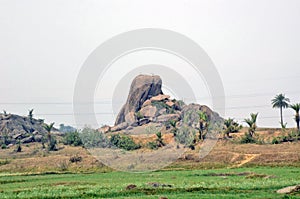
{"points": [[123, 142], [92, 138], [280, 101], [230, 126], [251, 122], [203, 124], [72, 138], [296, 108]]}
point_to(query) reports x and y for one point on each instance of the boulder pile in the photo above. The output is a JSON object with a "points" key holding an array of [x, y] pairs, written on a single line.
{"points": [[146, 103]]}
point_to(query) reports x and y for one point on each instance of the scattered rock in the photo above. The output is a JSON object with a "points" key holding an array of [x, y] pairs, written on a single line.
{"points": [[148, 111], [162, 111], [290, 189], [144, 121], [38, 138], [119, 127], [104, 129], [170, 103], [146, 103], [157, 184], [17, 136], [27, 140], [166, 118], [160, 97], [130, 117], [131, 186]]}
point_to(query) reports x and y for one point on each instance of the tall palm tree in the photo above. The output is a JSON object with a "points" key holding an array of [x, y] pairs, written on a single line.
{"points": [[252, 123], [30, 114], [280, 101], [296, 108], [48, 128]]}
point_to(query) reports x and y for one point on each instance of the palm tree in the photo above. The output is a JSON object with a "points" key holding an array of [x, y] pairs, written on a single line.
{"points": [[251, 123], [280, 101], [30, 114], [296, 107], [48, 128], [230, 126], [203, 124], [174, 128], [159, 139]]}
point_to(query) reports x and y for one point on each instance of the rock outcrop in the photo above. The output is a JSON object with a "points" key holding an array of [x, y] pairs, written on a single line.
{"points": [[143, 87], [146, 103], [15, 127]]}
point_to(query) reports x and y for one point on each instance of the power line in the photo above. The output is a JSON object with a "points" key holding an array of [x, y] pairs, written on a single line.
{"points": [[109, 101]]}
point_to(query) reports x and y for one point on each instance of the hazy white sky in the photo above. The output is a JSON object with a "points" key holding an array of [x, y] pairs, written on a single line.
{"points": [[254, 44]]}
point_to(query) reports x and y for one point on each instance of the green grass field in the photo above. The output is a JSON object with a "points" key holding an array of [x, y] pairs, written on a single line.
{"points": [[259, 182]]}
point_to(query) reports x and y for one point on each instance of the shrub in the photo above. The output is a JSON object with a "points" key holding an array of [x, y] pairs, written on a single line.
{"points": [[152, 145], [161, 105], [75, 159], [93, 138], [72, 138], [275, 140], [3, 146], [186, 136], [157, 143], [4, 162], [123, 142], [247, 138], [63, 166]]}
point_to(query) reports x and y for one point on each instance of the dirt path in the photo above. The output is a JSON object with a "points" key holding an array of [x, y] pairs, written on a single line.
{"points": [[247, 158]]}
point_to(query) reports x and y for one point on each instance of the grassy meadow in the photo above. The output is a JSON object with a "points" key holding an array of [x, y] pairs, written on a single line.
{"points": [[230, 170], [256, 182]]}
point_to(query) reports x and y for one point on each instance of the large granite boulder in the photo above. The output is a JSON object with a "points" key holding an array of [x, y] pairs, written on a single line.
{"points": [[143, 87]]}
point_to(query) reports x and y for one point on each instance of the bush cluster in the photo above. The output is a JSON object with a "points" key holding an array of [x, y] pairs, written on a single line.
{"points": [[247, 139], [72, 138], [123, 142], [293, 136], [93, 138]]}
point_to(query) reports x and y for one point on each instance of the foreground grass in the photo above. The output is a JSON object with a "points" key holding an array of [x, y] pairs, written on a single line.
{"points": [[260, 182]]}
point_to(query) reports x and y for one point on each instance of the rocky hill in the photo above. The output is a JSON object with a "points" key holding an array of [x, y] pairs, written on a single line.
{"points": [[147, 104], [14, 127]]}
